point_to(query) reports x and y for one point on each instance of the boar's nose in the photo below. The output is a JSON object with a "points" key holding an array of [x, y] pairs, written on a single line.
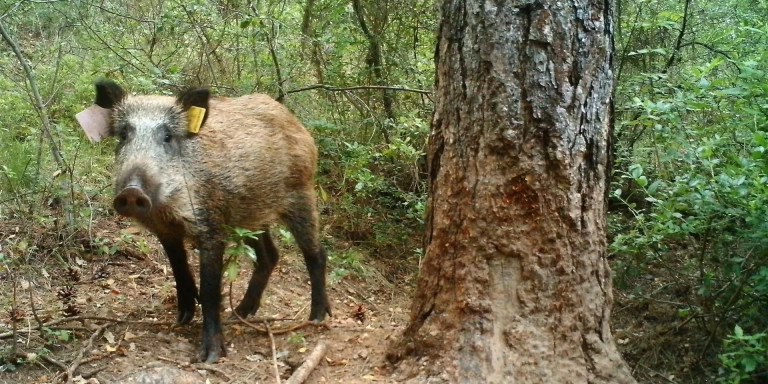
{"points": [[132, 202]]}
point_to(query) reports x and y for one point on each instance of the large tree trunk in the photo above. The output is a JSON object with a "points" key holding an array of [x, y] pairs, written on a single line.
{"points": [[515, 286]]}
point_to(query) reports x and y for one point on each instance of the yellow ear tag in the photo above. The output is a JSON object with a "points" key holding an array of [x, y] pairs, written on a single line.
{"points": [[195, 119]]}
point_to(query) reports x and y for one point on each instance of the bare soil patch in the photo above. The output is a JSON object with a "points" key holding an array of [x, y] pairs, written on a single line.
{"points": [[136, 287]]}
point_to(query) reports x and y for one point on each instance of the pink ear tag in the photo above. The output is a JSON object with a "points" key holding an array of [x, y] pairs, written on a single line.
{"points": [[95, 122]]}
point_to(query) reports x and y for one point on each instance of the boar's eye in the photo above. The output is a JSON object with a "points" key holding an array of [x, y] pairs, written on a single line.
{"points": [[167, 138], [122, 131]]}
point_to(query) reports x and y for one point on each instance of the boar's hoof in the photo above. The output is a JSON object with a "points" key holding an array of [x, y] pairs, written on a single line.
{"points": [[132, 202], [245, 309], [185, 306], [212, 349], [318, 312], [185, 315]]}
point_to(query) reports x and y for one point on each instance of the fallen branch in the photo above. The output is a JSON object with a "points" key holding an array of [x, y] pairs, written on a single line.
{"points": [[270, 331], [199, 365], [302, 373], [274, 353], [70, 373], [210, 367], [90, 374], [46, 358], [81, 319], [53, 328], [55, 362], [34, 313]]}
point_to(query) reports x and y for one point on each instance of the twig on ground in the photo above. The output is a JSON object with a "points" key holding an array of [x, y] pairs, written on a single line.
{"points": [[210, 367], [89, 374], [53, 361], [304, 324], [258, 320], [269, 331], [34, 313], [53, 328], [206, 366], [46, 358], [300, 311], [302, 373], [168, 359], [657, 373], [14, 320], [274, 354], [96, 358], [86, 347], [97, 318]]}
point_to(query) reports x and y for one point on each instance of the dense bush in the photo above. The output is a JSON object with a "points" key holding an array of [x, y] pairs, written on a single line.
{"points": [[689, 193], [371, 180]]}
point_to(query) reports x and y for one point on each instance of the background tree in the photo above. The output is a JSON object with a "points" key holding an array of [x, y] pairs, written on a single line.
{"points": [[515, 283]]}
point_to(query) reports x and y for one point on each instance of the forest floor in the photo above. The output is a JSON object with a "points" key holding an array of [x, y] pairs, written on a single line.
{"points": [[127, 312], [124, 297]]}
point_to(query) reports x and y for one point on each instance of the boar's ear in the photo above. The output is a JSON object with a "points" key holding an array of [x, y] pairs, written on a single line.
{"points": [[95, 119], [195, 97], [108, 94]]}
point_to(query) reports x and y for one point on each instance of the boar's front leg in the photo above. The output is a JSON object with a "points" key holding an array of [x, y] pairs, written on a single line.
{"points": [[186, 291], [211, 255]]}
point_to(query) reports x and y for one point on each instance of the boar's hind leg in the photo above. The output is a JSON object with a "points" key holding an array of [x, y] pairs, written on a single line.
{"points": [[267, 259], [301, 220], [186, 291]]}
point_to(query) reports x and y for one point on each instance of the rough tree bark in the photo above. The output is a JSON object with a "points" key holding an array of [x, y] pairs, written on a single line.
{"points": [[515, 286]]}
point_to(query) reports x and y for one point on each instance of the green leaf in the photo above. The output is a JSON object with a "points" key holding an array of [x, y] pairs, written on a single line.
{"points": [[642, 181], [734, 91], [654, 186], [250, 253], [738, 331], [749, 364], [232, 269]]}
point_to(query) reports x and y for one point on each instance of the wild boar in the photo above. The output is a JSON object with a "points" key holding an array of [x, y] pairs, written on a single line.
{"points": [[188, 167]]}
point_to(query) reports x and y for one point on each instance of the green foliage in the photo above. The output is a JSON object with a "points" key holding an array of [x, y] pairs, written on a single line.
{"points": [[297, 338], [54, 337], [378, 190], [690, 180], [238, 248], [346, 263], [744, 357], [234, 48]]}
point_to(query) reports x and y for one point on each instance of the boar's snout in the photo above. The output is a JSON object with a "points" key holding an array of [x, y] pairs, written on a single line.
{"points": [[132, 202]]}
